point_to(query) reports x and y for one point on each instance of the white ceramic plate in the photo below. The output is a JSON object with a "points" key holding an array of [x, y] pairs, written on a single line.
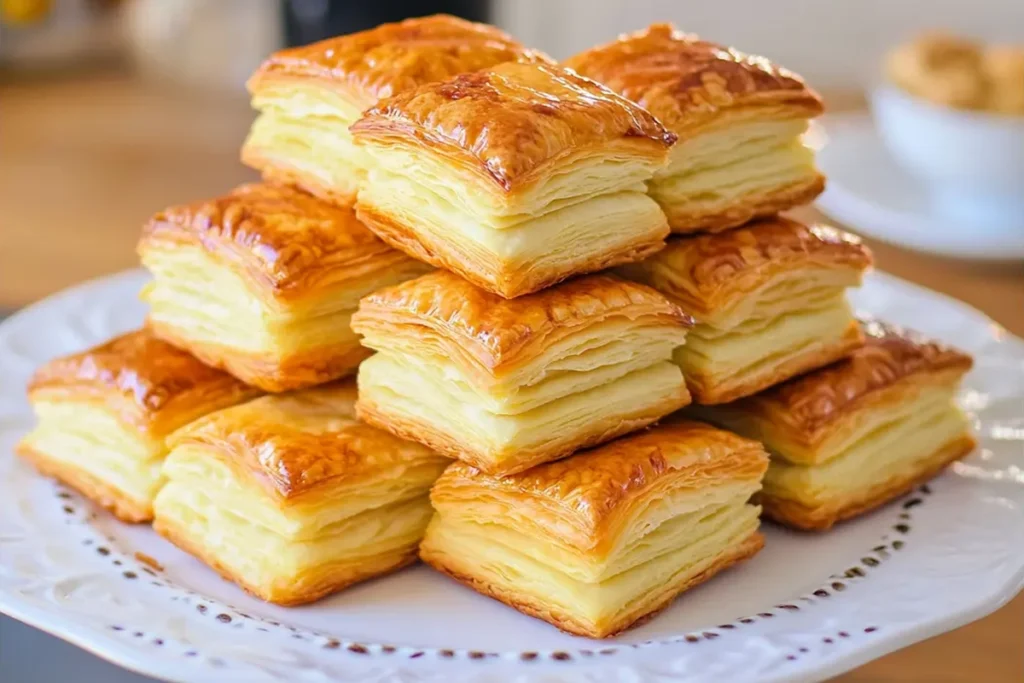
{"points": [[807, 607], [870, 193]]}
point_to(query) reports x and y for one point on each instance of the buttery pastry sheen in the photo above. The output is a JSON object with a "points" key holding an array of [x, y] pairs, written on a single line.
{"points": [[308, 96], [601, 541], [769, 300], [291, 497], [514, 177], [262, 282], [859, 433], [739, 119], [104, 414], [507, 384]]}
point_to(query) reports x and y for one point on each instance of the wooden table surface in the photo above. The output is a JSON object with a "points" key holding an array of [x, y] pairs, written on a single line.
{"points": [[84, 161]]}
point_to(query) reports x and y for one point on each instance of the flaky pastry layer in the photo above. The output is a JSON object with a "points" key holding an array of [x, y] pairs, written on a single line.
{"points": [[739, 119], [856, 434], [293, 498], [515, 177], [308, 96], [263, 282], [103, 416], [516, 382], [601, 540]]}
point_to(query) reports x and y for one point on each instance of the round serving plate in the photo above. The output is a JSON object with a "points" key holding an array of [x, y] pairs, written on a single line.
{"points": [[807, 607]]}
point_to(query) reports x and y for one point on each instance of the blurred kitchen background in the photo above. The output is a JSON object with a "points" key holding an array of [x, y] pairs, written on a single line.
{"points": [[112, 109]]}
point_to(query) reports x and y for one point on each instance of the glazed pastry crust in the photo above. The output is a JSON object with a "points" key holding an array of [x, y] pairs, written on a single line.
{"points": [[809, 409], [485, 334], [463, 572], [147, 383], [286, 244], [110, 498], [685, 81], [315, 585], [822, 517], [303, 445], [706, 273], [605, 539], [481, 270], [588, 500], [370, 65], [508, 125]]}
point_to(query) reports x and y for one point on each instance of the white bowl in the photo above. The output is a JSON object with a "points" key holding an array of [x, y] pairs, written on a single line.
{"points": [[972, 163]]}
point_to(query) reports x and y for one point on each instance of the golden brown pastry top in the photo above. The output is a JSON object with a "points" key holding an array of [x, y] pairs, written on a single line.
{"points": [[284, 241], [704, 272], [147, 382], [507, 123], [455, 319], [584, 500], [301, 442], [809, 404], [682, 79], [383, 61]]}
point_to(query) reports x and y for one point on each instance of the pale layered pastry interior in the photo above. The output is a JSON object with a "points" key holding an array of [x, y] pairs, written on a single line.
{"points": [[304, 129], [794, 316], [298, 546], [204, 301], [586, 379], [882, 444], [590, 205], [85, 436], [670, 540], [735, 161]]}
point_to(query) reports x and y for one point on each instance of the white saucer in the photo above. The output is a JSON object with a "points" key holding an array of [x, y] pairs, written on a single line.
{"points": [[868, 192]]}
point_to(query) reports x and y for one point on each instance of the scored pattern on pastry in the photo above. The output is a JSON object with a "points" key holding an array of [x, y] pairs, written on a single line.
{"points": [[514, 177], [507, 384], [293, 498], [600, 541], [308, 96], [739, 118], [769, 300], [263, 281], [852, 436], [104, 414]]}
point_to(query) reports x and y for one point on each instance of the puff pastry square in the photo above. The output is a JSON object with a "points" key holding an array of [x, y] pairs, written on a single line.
{"points": [[262, 282], [739, 119], [769, 300], [293, 498], [104, 416], [602, 541], [506, 384], [308, 96], [515, 177], [857, 434]]}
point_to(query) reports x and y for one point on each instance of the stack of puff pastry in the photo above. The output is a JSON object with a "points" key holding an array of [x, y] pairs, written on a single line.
{"points": [[513, 423]]}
